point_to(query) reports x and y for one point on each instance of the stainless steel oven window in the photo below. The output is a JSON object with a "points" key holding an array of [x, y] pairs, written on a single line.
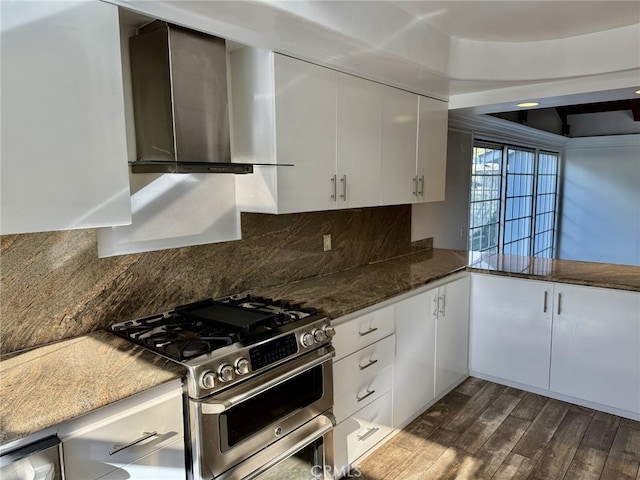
{"points": [[251, 416]]}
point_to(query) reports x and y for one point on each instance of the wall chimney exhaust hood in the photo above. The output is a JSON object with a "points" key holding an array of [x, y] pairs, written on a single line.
{"points": [[180, 102]]}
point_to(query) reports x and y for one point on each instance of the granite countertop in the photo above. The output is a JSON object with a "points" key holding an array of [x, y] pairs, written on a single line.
{"points": [[606, 275], [46, 386], [51, 384]]}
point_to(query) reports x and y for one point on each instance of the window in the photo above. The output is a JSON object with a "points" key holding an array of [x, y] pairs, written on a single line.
{"points": [[513, 200]]}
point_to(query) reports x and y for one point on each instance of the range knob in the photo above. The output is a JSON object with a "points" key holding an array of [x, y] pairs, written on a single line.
{"points": [[242, 366], [208, 380], [225, 372], [319, 335], [329, 331], [307, 340]]}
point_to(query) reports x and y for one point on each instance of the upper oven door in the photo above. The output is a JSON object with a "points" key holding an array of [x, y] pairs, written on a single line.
{"points": [[231, 426]]}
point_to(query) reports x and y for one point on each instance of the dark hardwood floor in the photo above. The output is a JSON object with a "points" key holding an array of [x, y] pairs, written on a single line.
{"points": [[482, 430]]}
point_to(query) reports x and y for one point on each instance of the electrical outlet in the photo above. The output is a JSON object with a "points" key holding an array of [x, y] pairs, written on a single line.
{"points": [[326, 240]]}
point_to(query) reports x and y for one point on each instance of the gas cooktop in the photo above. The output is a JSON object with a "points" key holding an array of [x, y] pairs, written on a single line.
{"points": [[195, 329]]}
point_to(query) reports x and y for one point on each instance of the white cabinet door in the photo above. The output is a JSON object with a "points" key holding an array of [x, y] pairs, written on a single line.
{"points": [[452, 335], [305, 103], [511, 329], [359, 137], [596, 345], [399, 131], [127, 432], [431, 166], [413, 379], [64, 155]]}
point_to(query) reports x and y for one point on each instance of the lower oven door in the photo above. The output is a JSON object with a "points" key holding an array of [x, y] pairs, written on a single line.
{"points": [[304, 454], [234, 425]]}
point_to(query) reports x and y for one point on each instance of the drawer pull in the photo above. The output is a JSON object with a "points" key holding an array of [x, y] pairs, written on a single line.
{"points": [[368, 394], [371, 362], [145, 436], [371, 330], [370, 431]]}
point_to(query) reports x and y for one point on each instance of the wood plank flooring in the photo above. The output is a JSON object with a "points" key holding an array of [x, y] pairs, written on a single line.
{"points": [[482, 430]]}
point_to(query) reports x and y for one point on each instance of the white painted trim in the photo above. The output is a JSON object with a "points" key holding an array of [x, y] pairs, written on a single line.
{"points": [[486, 127], [609, 141]]}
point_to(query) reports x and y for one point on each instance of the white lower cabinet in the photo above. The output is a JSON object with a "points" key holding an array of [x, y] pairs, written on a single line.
{"points": [[595, 353], [579, 343], [413, 381], [511, 329], [431, 347], [141, 437], [361, 432], [362, 380]]}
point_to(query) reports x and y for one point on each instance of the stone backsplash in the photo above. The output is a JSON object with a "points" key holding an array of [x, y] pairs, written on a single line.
{"points": [[53, 286]]}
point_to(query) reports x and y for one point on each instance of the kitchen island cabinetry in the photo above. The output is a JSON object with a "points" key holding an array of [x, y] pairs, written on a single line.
{"points": [[595, 353], [64, 155], [511, 329], [580, 344], [141, 437]]}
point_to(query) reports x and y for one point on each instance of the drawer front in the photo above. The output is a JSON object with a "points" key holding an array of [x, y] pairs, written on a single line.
{"points": [[362, 393], [362, 364], [364, 330], [166, 463], [89, 452], [362, 431]]}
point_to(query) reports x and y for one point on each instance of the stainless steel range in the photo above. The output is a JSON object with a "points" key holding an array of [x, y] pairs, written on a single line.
{"points": [[259, 385]]}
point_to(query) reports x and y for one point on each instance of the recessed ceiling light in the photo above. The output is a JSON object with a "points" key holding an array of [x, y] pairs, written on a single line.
{"points": [[528, 104], [638, 92]]}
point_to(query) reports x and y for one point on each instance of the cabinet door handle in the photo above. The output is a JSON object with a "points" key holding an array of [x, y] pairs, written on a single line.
{"points": [[421, 191], [370, 431], [545, 302], [145, 436], [415, 186], [559, 303], [442, 307], [343, 180], [371, 362], [367, 395], [371, 330], [436, 305], [333, 188]]}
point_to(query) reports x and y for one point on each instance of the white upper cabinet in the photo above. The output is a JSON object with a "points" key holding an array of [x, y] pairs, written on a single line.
{"points": [[64, 155], [284, 112], [359, 141], [399, 131], [353, 142], [431, 162], [305, 136]]}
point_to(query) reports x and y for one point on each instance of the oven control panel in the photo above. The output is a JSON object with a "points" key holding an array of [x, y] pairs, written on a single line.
{"points": [[241, 362], [273, 351]]}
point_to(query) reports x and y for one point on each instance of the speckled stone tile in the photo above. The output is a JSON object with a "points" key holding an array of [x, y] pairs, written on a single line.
{"points": [[49, 385]]}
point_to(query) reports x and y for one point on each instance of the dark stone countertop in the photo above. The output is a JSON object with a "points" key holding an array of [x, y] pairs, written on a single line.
{"points": [[51, 384]]}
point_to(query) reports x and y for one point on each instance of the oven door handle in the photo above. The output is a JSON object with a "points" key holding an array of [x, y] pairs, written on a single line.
{"points": [[224, 401]]}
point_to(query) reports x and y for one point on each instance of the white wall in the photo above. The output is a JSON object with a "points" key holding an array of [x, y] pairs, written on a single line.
{"points": [[600, 206], [443, 220]]}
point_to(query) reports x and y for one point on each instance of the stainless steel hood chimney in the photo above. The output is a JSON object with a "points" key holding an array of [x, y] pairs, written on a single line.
{"points": [[180, 102]]}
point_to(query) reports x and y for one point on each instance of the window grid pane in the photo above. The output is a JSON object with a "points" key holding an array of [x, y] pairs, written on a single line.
{"points": [[519, 202], [484, 215], [547, 180]]}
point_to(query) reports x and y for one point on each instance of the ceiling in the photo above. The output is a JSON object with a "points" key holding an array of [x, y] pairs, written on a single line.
{"points": [[522, 21]]}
